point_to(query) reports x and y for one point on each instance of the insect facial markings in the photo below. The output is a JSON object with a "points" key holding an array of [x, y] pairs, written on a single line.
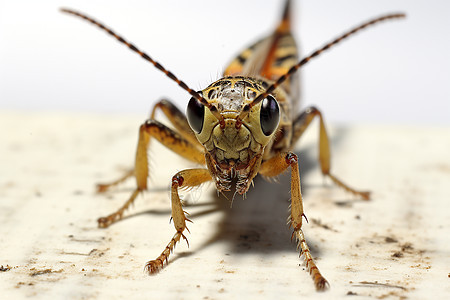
{"points": [[269, 115], [251, 94], [212, 94]]}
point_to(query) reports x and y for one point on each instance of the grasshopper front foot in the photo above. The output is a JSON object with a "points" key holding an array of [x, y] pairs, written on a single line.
{"points": [[320, 282], [154, 266]]}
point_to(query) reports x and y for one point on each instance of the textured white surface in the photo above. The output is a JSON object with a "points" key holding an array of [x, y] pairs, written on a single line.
{"points": [[393, 246]]}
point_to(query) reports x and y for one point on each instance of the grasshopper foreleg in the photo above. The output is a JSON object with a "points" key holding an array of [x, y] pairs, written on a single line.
{"points": [[183, 179], [273, 167]]}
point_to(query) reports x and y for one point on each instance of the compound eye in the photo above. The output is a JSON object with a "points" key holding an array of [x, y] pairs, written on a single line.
{"points": [[269, 115], [195, 114]]}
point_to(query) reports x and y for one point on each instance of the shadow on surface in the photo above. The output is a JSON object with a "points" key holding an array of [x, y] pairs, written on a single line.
{"points": [[258, 223]]}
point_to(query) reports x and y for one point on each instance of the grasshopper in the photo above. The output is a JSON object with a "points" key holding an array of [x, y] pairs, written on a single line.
{"points": [[240, 125]]}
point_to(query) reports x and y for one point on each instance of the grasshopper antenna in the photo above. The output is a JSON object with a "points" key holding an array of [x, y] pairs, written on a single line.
{"points": [[305, 60], [145, 56]]}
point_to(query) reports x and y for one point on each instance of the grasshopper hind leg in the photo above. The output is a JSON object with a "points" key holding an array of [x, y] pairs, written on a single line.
{"points": [[176, 118], [103, 187], [300, 124]]}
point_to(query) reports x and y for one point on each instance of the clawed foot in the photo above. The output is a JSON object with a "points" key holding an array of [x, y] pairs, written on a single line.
{"points": [[154, 266], [321, 284], [105, 222]]}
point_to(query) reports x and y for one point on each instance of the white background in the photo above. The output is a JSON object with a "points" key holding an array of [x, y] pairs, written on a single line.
{"points": [[394, 73]]}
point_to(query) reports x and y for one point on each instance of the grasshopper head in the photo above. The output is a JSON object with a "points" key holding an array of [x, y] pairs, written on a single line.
{"points": [[233, 144]]}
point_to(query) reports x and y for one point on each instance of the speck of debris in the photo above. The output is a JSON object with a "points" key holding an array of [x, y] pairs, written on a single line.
{"points": [[357, 217], [390, 240], [20, 283], [350, 293], [407, 246], [42, 272], [376, 283], [343, 203], [320, 224], [251, 236], [5, 269], [397, 254], [97, 253]]}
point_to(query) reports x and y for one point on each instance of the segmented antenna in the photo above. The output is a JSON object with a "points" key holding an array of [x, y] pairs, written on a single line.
{"points": [[305, 60], [145, 56]]}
